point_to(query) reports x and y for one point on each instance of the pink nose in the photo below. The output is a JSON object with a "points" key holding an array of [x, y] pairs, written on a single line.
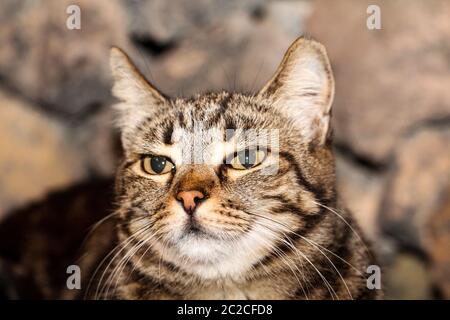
{"points": [[190, 199]]}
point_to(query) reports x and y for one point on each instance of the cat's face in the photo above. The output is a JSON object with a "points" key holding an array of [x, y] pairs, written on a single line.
{"points": [[213, 183]]}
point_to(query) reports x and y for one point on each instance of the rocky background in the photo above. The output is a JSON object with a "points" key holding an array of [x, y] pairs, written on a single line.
{"points": [[391, 113]]}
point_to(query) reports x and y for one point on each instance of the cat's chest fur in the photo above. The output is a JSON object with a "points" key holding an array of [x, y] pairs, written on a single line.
{"points": [[228, 292], [253, 290]]}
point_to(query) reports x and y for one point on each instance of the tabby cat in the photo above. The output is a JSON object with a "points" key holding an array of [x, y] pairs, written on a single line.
{"points": [[219, 196]]}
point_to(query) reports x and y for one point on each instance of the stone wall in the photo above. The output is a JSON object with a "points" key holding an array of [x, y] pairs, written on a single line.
{"points": [[391, 113], [392, 131]]}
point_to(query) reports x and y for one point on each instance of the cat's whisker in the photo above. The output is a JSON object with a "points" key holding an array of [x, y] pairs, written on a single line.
{"points": [[123, 245], [316, 246], [327, 284], [103, 261], [315, 243], [298, 252], [347, 223], [91, 231], [97, 224], [295, 249], [144, 253], [282, 256], [227, 76], [256, 77], [329, 251], [326, 257], [334, 267], [102, 290], [124, 260], [235, 243], [160, 259], [115, 275], [128, 256], [118, 267]]}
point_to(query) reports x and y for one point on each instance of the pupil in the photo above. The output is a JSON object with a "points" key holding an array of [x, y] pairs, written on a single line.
{"points": [[247, 158], [158, 164]]}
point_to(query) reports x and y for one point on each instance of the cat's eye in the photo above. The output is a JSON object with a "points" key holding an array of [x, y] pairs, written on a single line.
{"points": [[247, 159], [156, 165]]}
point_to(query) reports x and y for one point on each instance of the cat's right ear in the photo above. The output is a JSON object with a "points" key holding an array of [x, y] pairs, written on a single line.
{"points": [[138, 97]]}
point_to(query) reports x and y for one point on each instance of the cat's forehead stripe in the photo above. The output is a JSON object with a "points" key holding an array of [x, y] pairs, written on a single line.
{"points": [[168, 134]]}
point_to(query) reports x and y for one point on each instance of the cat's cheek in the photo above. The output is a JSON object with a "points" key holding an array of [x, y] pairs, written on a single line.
{"points": [[308, 201]]}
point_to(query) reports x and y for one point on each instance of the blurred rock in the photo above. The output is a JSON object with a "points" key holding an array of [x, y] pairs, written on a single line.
{"points": [[437, 243], [417, 187], [361, 191], [99, 142], [407, 278], [390, 80], [392, 115], [35, 155], [64, 71], [165, 22], [223, 50]]}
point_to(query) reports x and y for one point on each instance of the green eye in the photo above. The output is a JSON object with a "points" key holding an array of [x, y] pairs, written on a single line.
{"points": [[156, 165], [247, 159]]}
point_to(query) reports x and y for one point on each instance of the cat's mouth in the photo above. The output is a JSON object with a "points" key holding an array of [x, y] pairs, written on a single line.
{"points": [[193, 228]]}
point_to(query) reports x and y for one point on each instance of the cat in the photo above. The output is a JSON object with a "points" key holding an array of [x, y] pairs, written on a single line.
{"points": [[219, 196]]}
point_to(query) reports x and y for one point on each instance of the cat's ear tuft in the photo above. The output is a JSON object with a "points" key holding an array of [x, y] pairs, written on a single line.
{"points": [[303, 88], [137, 96]]}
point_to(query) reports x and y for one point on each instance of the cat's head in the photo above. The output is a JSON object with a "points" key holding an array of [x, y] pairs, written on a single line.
{"points": [[213, 183]]}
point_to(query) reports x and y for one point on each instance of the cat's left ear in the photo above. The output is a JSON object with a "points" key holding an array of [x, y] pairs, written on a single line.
{"points": [[303, 88], [138, 97]]}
